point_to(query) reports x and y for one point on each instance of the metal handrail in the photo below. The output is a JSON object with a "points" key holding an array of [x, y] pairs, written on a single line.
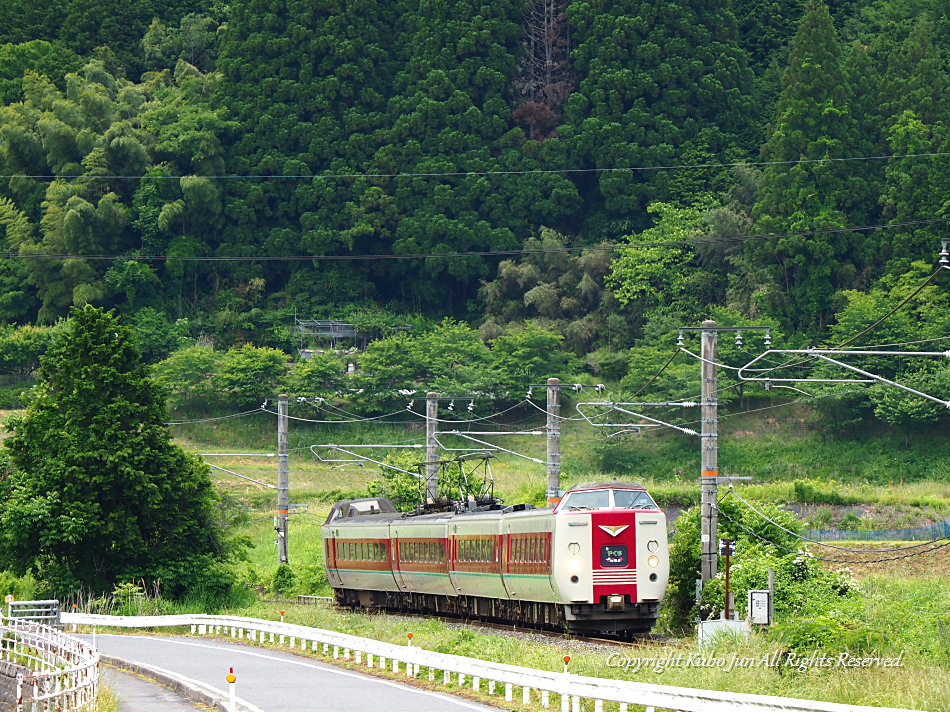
{"points": [[571, 688], [65, 673]]}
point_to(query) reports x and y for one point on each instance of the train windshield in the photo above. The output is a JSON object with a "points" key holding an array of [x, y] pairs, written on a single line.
{"points": [[608, 499]]}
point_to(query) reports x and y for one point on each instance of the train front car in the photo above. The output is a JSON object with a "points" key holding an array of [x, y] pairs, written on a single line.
{"points": [[611, 560]]}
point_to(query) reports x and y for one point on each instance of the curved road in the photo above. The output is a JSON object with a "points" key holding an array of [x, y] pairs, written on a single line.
{"points": [[277, 681]]}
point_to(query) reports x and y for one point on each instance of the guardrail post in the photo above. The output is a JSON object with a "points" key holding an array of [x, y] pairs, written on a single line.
{"points": [[575, 704], [446, 677], [395, 665], [565, 702], [491, 687], [476, 683], [382, 662], [526, 695], [545, 699], [369, 660], [598, 706]]}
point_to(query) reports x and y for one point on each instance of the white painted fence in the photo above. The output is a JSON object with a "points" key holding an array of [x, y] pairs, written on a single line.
{"points": [[535, 685], [66, 676]]}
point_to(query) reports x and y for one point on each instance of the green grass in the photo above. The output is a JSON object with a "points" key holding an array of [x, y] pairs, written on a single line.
{"points": [[922, 682]]}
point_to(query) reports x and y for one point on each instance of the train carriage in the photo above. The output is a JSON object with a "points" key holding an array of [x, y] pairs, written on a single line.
{"points": [[598, 562]]}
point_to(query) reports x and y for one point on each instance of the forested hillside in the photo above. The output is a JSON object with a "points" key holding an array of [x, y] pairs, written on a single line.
{"points": [[603, 170]]}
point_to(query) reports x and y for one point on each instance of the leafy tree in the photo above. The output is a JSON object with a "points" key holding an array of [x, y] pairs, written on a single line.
{"points": [[187, 375], [813, 124], [320, 375], [529, 355], [21, 348], [661, 84], [52, 60], [563, 290], [249, 375], [98, 494], [648, 271], [155, 336]]}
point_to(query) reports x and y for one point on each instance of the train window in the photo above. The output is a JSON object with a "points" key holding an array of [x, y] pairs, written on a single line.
{"points": [[441, 552], [544, 551], [633, 499], [382, 551], [590, 499], [339, 550]]}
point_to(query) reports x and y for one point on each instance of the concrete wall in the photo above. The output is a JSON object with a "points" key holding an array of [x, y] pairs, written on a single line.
{"points": [[8, 673]]}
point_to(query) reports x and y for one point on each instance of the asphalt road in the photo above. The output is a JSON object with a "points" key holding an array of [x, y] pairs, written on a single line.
{"points": [[277, 681], [138, 695]]}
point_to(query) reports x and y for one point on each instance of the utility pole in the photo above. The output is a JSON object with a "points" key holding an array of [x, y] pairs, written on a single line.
{"points": [[432, 447], [709, 437], [709, 459], [283, 479], [554, 441]]}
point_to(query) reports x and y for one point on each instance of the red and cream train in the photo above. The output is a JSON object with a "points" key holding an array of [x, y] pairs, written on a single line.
{"points": [[597, 562]]}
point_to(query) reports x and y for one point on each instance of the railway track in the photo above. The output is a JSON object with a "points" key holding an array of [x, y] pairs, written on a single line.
{"points": [[650, 640]]}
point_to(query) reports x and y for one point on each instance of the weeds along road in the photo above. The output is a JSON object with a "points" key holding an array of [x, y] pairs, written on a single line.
{"points": [[277, 681]]}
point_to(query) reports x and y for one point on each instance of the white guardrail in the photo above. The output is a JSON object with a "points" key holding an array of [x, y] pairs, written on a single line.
{"points": [[469, 672], [66, 669]]}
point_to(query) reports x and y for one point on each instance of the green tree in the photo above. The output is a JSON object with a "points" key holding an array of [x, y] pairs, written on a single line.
{"points": [[187, 375], [661, 84], [528, 355], [320, 375], [249, 375], [98, 494], [813, 125]]}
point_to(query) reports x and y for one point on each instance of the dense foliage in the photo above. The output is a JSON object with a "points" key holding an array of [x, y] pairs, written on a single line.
{"points": [[94, 492], [212, 169]]}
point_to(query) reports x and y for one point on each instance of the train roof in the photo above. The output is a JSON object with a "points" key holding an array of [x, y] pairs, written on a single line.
{"points": [[604, 485]]}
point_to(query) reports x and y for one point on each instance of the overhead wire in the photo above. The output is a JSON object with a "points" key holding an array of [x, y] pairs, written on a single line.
{"points": [[825, 558], [785, 529], [222, 417], [608, 247], [355, 420], [458, 174]]}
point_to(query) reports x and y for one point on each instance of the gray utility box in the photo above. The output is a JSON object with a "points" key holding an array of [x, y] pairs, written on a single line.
{"points": [[759, 607], [46, 612]]}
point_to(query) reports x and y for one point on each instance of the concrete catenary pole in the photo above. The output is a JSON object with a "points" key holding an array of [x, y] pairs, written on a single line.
{"points": [[283, 479], [709, 439], [432, 447], [554, 441]]}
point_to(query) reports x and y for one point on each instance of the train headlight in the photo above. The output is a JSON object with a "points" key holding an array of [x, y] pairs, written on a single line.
{"points": [[653, 562], [574, 547], [574, 565], [653, 545]]}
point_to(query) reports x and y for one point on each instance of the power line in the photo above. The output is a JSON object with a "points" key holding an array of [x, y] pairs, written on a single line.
{"points": [[222, 417], [603, 247], [821, 543], [355, 420], [463, 174], [822, 558]]}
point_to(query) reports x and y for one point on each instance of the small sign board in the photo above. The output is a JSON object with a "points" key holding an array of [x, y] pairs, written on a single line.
{"points": [[732, 547]]}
